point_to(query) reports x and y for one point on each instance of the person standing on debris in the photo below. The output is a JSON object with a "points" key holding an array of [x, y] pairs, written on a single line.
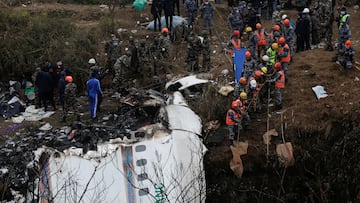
{"points": [[249, 65], [156, 8], [45, 85], [34, 77], [71, 102], [190, 9], [349, 53], [284, 55], [235, 21], [344, 17], [144, 58], [169, 13], [272, 53], [96, 70], [289, 35], [343, 35], [279, 79], [121, 65], [207, 13], [193, 52], [134, 62], [165, 43], [233, 121], [206, 64], [61, 89], [243, 110], [260, 38], [326, 18], [93, 91], [307, 27], [113, 51], [300, 29]]}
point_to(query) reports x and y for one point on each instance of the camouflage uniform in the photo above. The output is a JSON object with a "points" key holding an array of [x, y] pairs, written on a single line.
{"points": [[190, 8], [276, 17], [206, 51], [143, 53], [71, 102], [207, 14], [121, 64], [249, 68], [326, 20], [289, 35], [235, 21], [344, 34], [193, 51], [33, 77], [113, 51]]}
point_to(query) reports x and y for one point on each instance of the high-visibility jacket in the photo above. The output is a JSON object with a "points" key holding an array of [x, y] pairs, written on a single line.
{"points": [[261, 37], [287, 58], [343, 19], [272, 55], [236, 44], [280, 83], [229, 120]]}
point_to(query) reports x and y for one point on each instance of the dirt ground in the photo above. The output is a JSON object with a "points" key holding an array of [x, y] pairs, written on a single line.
{"points": [[315, 127]]}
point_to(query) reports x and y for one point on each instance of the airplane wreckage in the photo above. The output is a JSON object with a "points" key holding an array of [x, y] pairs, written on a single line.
{"points": [[150, 150]]}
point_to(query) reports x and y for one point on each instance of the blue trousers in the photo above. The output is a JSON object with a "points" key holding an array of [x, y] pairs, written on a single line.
{"points": [[93, 100]]}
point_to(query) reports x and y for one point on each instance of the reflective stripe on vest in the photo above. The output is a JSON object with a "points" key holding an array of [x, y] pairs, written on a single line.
{"points": [[280, 83], [237, 45], [228, 120], [281, 52], [261, 37]]}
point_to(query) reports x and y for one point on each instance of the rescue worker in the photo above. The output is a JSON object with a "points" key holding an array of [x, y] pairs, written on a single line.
{"points": [[233, 121], [168, 6], [276, 15], [144, 59], [122, 64], [344, 34], [243, 111], [254, 88], [207, 13], [134, 62], [252, 43], [326, 18], [272, 53], [275, 34], [261, 40], [289, 35], [344, 17], [242, 85], [190, 9], [279, 79], [206, 64], [61, 89], [263, 63], [235, 21], [71, 102], [165, 43], [249, 65], [193, 52], [93, 91], [156, 8], [349, 53], [96, 70], [284, 55]]}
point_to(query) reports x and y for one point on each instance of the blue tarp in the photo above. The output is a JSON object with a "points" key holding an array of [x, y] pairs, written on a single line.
{"points": [[177, 20], [239, 58]]}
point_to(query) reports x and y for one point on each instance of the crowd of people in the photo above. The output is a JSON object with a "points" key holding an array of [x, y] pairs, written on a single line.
{"points": [[270, 52]]}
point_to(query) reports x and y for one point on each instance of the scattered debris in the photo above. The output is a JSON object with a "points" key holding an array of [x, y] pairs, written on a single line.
{"points": [[285, 154], [45, 127], [225, 90], [319, 92]]}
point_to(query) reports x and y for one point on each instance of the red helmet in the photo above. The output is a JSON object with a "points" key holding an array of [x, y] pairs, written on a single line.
{"points": [[348, 43], [286, 22], [236, 33], [235, 105], [258, 73], [258, 25], [243, 80], [282, 40], [277, 65], [276, 28], [164, 30], [247, 54], [68, 78]]}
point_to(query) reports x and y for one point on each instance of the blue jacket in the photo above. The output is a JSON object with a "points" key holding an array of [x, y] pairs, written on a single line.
{"points": [[93, 87]]}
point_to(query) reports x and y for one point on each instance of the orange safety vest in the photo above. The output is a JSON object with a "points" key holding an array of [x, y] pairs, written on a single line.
{"points": [[280, 83], [281, 52], [261, 38], [237, 45], [228, 120]]}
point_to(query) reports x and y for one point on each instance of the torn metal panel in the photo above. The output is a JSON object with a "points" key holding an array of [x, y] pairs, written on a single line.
{"points": [[185, 82]]}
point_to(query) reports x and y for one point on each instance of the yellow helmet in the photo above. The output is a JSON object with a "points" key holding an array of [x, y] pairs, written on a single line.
{"points": [[243, 95], [275, 46], [264, 70], [248, 29]]}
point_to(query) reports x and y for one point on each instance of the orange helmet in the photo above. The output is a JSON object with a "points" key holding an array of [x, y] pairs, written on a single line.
{"points": [[258, 25], [258, 73], [247, 54], [277, 65], [286, 22], [164, 30], [282, 40], [236, 33], [276, 28], [348, 43], [68, 79], [235, 105], [243, 80]]}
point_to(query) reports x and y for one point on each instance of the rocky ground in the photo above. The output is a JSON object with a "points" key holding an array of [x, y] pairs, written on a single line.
{"points": [[323, 132]]}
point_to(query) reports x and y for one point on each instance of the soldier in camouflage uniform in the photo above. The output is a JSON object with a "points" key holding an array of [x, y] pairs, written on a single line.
{"points": [[249, 65], [206, 51], [276, 16], [113, 51], [193, 51], [71, 102], [326, 20], [235, 21], [144, 56], [156, 55], [121, 65]]}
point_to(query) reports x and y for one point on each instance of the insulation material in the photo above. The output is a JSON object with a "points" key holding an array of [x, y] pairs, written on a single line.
{"points": [[319, 92], [236, 164], [268, 134], [285, 154]]}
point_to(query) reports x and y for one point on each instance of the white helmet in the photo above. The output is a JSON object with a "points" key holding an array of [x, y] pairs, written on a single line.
{"points": [[284, 16], [91, 61], [265, 58], [306, 10], [253, 84]]}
